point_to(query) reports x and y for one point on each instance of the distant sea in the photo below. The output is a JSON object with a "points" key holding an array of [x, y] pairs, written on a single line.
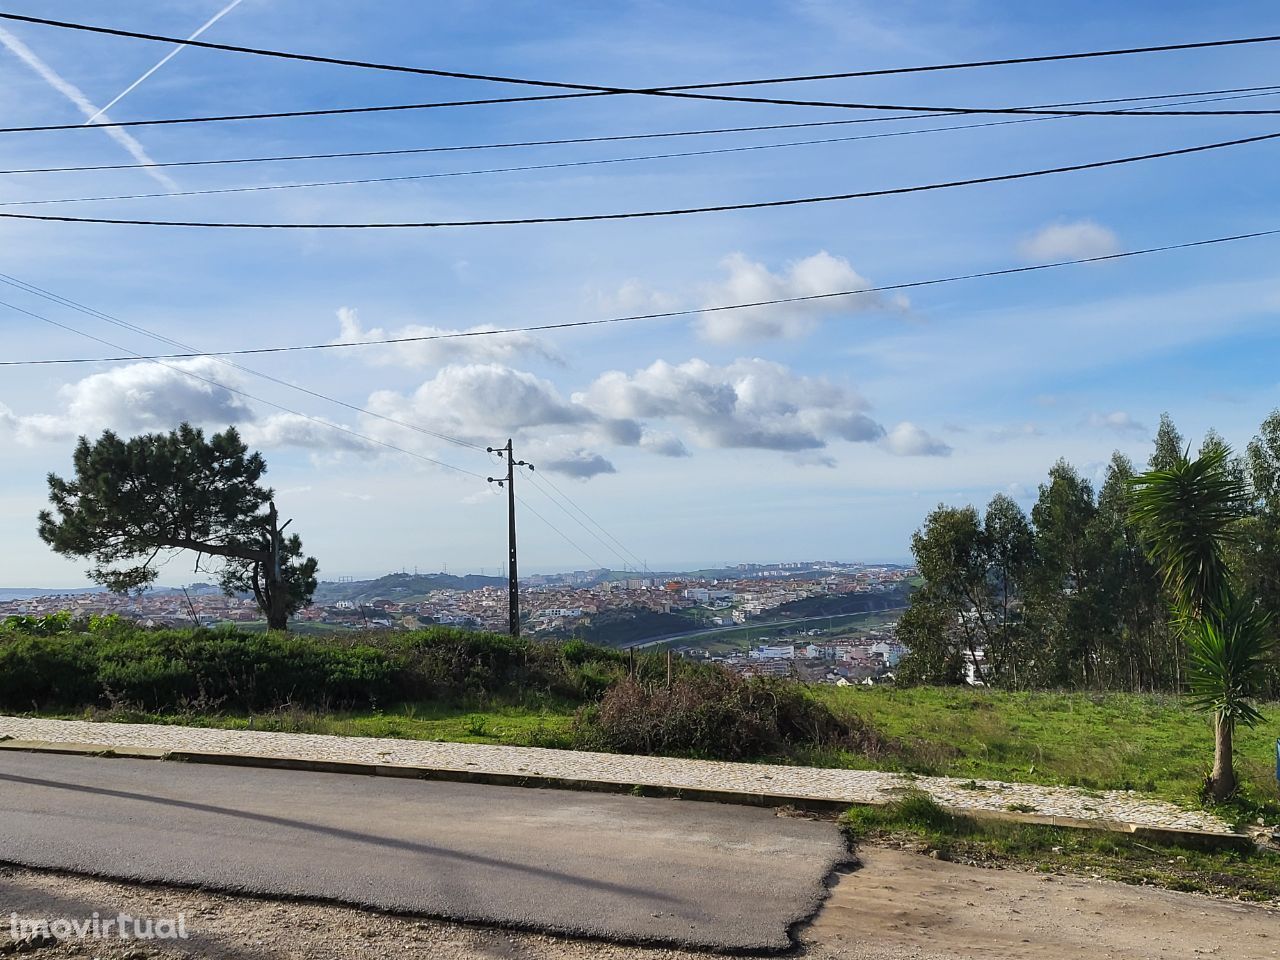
{"points": [[26, 593]]}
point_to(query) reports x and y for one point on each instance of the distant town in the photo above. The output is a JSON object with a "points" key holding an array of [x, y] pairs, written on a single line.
{"points": [[819, 621]]}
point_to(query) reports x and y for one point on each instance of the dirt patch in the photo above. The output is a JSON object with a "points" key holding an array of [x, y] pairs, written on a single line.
{"points": [[903, 905]]}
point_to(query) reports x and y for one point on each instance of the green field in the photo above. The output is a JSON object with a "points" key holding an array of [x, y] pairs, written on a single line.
{"points": [[1154, 744]]}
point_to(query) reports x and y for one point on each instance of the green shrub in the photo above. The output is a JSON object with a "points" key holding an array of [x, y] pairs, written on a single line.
{"points": [[52, 663], [712, 713], [37, 672]]}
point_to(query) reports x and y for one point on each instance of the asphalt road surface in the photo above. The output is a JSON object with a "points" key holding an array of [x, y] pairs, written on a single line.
{"points": [[620, 868]]}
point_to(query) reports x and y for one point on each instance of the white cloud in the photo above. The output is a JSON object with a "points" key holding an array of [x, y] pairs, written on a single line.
{"points": [[294, 430], [479, 403], [1070, 241], [155, 398], [660, 409], [746, 404], [474, 344], [1118, 420], [139, 397], [632, 296], [580, 464], [663, 444], [623, 432], [909, 440], [749, 282]]}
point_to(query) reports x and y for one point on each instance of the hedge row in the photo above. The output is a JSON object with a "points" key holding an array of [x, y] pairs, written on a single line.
{"points": [[56, 664], [171, 670]]}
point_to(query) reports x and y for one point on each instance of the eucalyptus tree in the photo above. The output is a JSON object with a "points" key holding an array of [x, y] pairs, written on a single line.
{"points": [[1065, 595], [968, 610]]}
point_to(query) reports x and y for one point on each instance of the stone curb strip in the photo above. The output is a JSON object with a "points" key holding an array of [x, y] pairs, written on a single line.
{"points": [[808, 788]]}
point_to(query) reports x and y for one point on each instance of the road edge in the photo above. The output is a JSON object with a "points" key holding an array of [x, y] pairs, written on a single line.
{"points": [[1198, 839]]}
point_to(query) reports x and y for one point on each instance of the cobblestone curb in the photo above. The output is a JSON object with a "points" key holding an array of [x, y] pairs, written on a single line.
{"points": [[748, 783]]}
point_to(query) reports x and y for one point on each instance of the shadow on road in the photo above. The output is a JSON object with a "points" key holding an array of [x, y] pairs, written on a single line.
{"points": [[345, 834]]}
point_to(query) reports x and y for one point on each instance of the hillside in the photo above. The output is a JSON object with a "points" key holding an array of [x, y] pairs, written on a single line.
{"points": [[836, 604], [400, 587]]}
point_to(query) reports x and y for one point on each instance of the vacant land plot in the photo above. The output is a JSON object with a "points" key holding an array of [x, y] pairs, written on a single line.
{"points": [[1154, 744]]}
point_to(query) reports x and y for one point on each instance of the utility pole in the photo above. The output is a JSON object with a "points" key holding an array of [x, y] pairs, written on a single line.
{"points": [[513, 579]]}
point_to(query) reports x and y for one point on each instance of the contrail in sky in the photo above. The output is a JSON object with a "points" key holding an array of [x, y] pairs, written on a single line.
{"points": [[165, 59], [76, 96]]}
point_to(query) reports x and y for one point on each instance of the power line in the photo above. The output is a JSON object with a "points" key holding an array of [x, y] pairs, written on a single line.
{"points": [[287, 114], [923, 112], [666, 314], [89, 311], [135, 328], [563, 536], [269, 187], [575, 507], [546, 492], [635, 560], [1246, 91], [444, 149], [682, 90], [590, 90], [317, 420], [647, 214], [243, 393]]}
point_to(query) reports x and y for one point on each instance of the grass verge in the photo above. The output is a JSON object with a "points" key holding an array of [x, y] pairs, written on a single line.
{"points": [[1154, 744], [519, 725]]}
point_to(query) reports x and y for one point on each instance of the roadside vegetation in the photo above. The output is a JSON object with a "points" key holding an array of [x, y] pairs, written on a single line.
{"points": [[55, 663], [437, 683], [1161, 581], [917, 823], [455, 685]]}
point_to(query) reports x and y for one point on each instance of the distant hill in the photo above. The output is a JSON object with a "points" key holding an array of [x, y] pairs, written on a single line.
{"points": [[400, 586]]}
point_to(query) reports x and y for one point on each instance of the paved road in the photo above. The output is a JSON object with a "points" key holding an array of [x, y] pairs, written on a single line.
{"points": [[617, 867]]}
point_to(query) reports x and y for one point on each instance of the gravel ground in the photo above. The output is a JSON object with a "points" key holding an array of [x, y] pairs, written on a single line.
{"points": [[245, 928], [898, 906]]}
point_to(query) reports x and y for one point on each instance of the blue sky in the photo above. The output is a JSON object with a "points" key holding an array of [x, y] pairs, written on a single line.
{"points": [[781, 434]]}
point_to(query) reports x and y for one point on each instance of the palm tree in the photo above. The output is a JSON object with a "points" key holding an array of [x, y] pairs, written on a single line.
{"points": [[1190, 514]]}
